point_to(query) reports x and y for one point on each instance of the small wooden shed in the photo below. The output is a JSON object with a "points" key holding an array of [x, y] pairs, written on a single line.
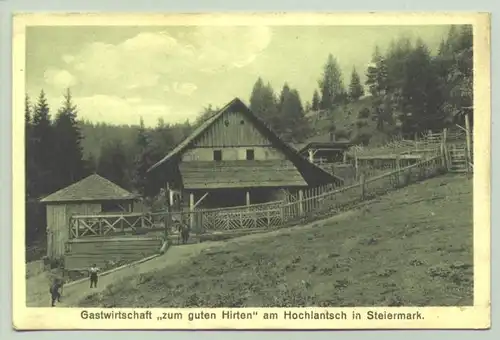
{"points": [[91, 195], [324, 149]]}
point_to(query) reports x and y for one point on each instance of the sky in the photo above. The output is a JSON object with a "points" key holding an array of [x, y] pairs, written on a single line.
{"points": [[118, 74]]}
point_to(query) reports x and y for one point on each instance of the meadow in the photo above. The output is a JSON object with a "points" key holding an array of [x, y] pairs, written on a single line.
{"points": [[412, 247]]}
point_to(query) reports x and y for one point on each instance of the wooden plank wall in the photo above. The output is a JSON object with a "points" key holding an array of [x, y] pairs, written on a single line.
{"points": [[83, 253], [58, 218], [238, 132], [56, 237]]}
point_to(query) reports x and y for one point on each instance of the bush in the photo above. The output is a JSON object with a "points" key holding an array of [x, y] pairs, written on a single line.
{"points": [[342, 134], [361, 123], [365, 113], [53, 263], [362, 138]]}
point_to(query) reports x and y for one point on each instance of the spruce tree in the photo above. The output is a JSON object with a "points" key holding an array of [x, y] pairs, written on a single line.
{"points": [[331, 84], [454, 65], [113, 163], [315, 101], [43, 148], [294, 126], [69, 156], [144, 160], [356, 90], [264, 104], [30, 166]]}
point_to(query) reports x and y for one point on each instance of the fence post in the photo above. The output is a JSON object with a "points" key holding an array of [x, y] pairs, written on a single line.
{"points": [[301, 202], [363, 186], [467, 135], [356, 164], [191, 211], [166, 223], [445, 148], [398, 170]]}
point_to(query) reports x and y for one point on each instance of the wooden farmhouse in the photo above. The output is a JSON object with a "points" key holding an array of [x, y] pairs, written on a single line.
{"points": [[234, 159], [89, 196]]}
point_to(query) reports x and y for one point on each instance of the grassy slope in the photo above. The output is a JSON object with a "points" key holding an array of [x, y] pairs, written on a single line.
{"points": [[411, 247], [344, 117]]}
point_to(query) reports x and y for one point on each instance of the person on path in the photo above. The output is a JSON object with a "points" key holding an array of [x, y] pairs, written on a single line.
{"points": [[54, 291], [93, 276]]}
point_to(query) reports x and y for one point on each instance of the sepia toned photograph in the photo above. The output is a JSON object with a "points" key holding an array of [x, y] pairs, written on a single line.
{"points": [[315, 169]]}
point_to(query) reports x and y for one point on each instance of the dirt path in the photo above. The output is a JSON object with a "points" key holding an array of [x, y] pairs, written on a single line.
{"points": [[38, 286]]}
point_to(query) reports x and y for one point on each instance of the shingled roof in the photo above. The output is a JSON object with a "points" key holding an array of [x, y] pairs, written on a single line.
{"points": [[303, 165], [91, 188]]}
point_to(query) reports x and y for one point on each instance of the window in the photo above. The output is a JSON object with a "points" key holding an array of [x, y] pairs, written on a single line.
{"points": [[250, 155], [218, 155]]}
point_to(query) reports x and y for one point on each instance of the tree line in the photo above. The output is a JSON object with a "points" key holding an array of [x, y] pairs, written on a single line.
{"points": [[415, 91], [55, 156], [411, 91]]}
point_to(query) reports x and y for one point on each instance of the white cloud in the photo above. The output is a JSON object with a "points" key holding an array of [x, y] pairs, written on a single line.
{"points": [[142, 60], [117, 110], [68, 58], [148, 73], [185, 88], [134, 100], [224, 48], [60, 79]]}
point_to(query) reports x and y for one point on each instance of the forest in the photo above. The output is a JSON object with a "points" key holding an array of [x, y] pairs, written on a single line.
{"points": [[408, 90]]}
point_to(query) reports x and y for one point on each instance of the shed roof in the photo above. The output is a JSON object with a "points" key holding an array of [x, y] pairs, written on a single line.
{"points": [[91, 188], [314, 173], [237, 174], [323, 141]]}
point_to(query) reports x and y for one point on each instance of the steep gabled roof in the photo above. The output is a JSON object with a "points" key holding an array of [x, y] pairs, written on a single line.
{"points": [[316, 174], [91, 188]]}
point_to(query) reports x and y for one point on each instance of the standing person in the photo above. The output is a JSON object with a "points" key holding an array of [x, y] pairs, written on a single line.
{"points": [[93, 276], [54, 291]]}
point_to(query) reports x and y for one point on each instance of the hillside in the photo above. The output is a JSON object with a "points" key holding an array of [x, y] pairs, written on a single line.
{"points": [[347, 122], [411, 247]]}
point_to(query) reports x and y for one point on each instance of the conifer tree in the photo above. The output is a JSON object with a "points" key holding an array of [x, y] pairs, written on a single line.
{"points": [[331, 84], [315, 101], [294, 126], [144, 160], [113, 163], [356, 90], [264, 104], [70, 165], [43, 148], [30, 167]]}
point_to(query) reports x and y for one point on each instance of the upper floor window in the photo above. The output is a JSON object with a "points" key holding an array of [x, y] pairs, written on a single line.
{"points": [[218, 155], [250, 155]]}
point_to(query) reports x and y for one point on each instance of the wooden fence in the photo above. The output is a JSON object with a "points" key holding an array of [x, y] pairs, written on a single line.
{"points": [[109, 224], [308, 204], [426, 142]]}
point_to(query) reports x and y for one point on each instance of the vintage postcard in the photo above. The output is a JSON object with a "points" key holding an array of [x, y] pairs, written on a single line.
{"points": [[251, 171]]}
